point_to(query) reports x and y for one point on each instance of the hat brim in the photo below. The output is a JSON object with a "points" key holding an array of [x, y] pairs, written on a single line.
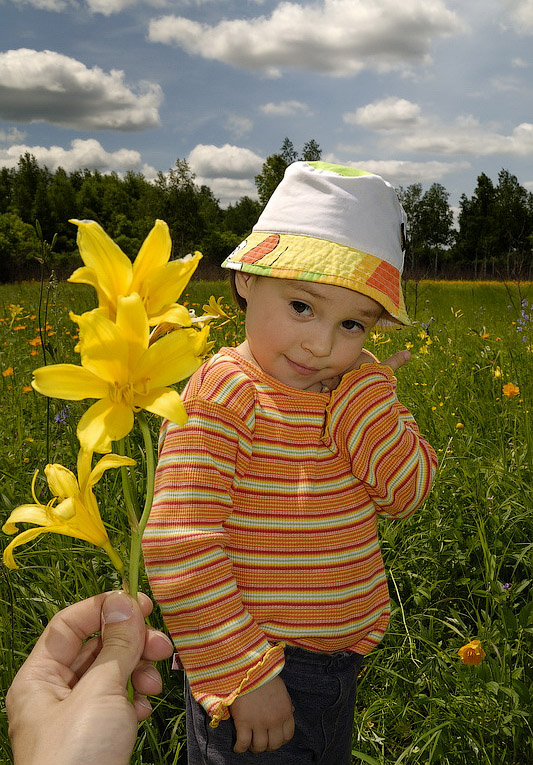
{"points": [[294, 256]]}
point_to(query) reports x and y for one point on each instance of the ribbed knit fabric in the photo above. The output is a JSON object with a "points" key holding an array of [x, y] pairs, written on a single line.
{"points": [[264, 524]]}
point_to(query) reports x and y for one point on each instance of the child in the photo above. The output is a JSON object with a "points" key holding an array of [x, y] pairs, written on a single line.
{"points": [[262, 547]]}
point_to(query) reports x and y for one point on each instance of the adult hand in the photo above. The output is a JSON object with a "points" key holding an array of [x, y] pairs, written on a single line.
{"points": [[263, 718], [68, 704]]}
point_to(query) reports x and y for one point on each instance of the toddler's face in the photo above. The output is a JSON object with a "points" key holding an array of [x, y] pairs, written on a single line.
{"points": [[303, 332]]}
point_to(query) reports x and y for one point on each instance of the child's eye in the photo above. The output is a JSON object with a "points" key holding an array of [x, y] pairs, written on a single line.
{"points": [[300, 307], [352, 325]]}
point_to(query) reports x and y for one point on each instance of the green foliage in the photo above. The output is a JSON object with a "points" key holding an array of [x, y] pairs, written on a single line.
{"points": [[460, 569], [18, 246]]}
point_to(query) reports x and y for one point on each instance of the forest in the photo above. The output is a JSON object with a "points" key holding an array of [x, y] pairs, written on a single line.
{"points": [[491, 237]]}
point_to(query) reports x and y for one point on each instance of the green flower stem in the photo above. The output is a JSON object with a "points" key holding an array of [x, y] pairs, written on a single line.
{"points": [[136, 534]]}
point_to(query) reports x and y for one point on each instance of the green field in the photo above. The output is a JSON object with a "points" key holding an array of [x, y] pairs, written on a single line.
{"points": [[460, 569]]}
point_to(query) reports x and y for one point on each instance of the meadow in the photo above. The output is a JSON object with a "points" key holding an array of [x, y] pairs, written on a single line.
{"points": [[460, 569]]}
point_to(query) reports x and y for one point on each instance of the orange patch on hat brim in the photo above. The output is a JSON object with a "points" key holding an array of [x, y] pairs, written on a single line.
{"points": [[260, 250], [386, 279]]}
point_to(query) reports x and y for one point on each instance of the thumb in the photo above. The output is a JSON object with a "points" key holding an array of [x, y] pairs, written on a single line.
{"points": [[123, 634]]}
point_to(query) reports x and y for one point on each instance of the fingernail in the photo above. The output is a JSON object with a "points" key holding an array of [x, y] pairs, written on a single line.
{"points": [[118, 607]]}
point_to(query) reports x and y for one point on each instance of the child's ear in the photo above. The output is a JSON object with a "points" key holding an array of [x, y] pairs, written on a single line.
{"points": [[242, 284]]}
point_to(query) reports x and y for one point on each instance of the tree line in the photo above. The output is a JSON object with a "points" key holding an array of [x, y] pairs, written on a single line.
{"points": [[492, 237]]}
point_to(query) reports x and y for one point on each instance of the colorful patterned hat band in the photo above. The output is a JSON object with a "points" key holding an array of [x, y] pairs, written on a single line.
{"points": [[335, 225]]}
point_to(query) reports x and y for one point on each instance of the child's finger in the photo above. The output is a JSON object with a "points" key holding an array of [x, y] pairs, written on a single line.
{"points": [[397, 360]]}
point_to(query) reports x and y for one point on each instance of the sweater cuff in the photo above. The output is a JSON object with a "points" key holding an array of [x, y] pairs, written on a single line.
{"points": [[267, 668]]}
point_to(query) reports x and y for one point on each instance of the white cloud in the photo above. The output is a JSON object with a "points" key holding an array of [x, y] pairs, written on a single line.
{"points": [[12, 135], [519, 63], [82, 153], [521, 13], [402, 172], [285, 109], [45, 86], [466, 135], [238, 126], [105, 7], [225, 161], [228, 170], [386, 114], [404, 128], [229, 190], [335, 37]]}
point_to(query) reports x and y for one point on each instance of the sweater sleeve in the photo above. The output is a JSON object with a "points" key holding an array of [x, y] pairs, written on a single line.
{"points": [[223, 650], [380, 437]]}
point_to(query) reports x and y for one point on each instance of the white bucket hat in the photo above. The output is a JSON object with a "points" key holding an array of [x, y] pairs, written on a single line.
{"points": [[335, 225]]}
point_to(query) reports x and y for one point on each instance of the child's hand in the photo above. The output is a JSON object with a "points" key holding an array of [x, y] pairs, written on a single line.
{"points": [[395, 361], [263, 718]]}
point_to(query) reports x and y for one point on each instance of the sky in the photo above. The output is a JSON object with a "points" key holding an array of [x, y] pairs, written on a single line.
{"points": [[419, 91]]}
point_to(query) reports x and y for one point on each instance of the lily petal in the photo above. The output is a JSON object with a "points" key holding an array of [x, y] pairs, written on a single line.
{"points": [[134, 328], [174, 314], [154, 254], [104, 422], [85, 275], [26, 514], [99, 252], [68, 381], [106, 462], [165, 403], [170, 359], [165, 285], [22, 538], [102, 348], [61, 480]]}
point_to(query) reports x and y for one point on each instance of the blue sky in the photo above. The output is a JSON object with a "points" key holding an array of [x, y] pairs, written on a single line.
{"points": [[417, 90]]}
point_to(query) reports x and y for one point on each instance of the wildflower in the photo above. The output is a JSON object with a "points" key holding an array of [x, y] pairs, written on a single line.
{"points": [[424, 349], [459, 426], [510, 390], [36, 341], [214, 308], [72, 511], [472, 654], [62, 416], [408, 345], [121, 370], [7, 372], [497, 372], [485, 335], [19, 328], [422, 334], [158, 282], [27, 389]]}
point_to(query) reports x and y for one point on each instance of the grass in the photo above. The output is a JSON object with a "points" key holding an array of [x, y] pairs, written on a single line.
{"points": [[460, 569]]}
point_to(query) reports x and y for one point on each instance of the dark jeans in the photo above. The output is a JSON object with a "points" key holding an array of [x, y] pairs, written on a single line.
{"points": [[322, 688]]}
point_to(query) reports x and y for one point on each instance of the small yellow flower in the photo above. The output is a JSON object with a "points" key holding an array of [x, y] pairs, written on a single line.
{"points": [[510, 390], [35, 342], [72, 511], [485, 335], [459, 426], [424, 349], [214, 308], [27, 389], [422, 334], [472, 654], [7, 372], [497, 372], [408, 345]]}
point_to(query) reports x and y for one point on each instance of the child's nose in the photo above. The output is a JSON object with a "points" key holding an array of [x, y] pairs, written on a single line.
{"points": [[318, 341]]}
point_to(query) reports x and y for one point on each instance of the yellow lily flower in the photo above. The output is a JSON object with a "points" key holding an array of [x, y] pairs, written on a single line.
{"points": [[72, 511], [121, 369], [214, 308], [158, 281]]}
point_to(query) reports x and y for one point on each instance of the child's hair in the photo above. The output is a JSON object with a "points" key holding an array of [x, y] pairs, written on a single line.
{"points": [[332, 225], [241, 302]]}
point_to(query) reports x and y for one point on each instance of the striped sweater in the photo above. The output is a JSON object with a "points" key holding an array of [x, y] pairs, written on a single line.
{"points": [[264, 524]]}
